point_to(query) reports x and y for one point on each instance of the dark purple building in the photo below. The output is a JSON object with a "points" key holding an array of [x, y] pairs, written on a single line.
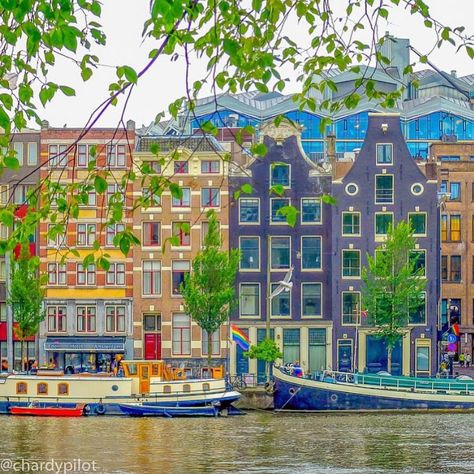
{"points": [[301, 318], [382, 186]]}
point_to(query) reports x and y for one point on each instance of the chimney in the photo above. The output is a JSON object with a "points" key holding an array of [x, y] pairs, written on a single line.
{"points": [[44, 125], [454, 73], [130, 125], [331, 152]]}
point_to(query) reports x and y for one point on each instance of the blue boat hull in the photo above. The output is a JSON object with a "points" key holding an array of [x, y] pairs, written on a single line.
{"points": [[292, 393], [168, 412]]}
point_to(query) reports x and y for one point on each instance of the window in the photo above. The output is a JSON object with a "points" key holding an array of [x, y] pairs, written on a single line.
{"points": [[57, 274], [151, 277], [455, 228], [150, 198], [350, 307], [86, 318], [3, 271], [384, 153], [455, 274], [116, 156], [249, 253], [205, 231], [91, 198], [422, 359], [281, 304], [311, 253], [310, 211], [210, 167], [352, 189], [444, 267], [184, 200], [115, 274], [85, 276], [115, 318], [152, 322], [418, 260], [42, 388], [291, 345], [56, 236], [115, 194], [21, 388], [280, 253], [18, 148], [181, 167], [249, 211], [444, 227], [351, 223], [20, 193], [280, 174], [3, 312], [311, 299], [417, 222], [210, 197], [417, 189], [276, 205], [384, 189], [86, 235], [112, 231], [84, 155], [151, 234], [249, 299], [32, 154], [472, 191], [383, 222], [417, 314], [450, 157], [351, 263], [56, 318], [179, 271], [152, 167], [181, 334], [63, 389], [215, 343], [181, 233], [57, 156], [455, 190], [4, 195], [443, 187]]}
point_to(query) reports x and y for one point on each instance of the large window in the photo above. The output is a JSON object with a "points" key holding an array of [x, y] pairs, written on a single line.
{"points": [[181, 334], [56, 318], [316, 349], [249, 253], [181, 167], [85, 276], [249, 299], [57, 156], [418, 311], [249, 211], [210, 167], [115, 318], [384, 153], [291, 346], [351, 263], [277, 216], [423, 359], [310, 211], [151, 234], [184, 200], [84, 155], [280, 253], [311, 299], [281, 304], [215, 343], [111, 231], [57, 274], [311, 253], [18, 148], [32, 154], [151, 277], [86, 318], [455, 191], [444, 227], [455, 274], [350, 307], [444, 267], [116, 156], [455, 228], [181, 234], [351, 223], [150, 198], [418, 259], [115, 274], [384, 189], [179, 270], [280, 174], [86, 235], [417, 222], [210, 197], [383, 222]]}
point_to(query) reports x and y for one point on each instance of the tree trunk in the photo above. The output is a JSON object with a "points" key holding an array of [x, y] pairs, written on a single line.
{"points": [[209, 350], [389, 359]]}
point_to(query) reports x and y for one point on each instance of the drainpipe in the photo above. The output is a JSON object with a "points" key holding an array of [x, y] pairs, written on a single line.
{"points": [[10, 355], [331, 152]]}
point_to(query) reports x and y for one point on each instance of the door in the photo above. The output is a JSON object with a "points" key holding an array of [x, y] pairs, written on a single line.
{"points": [[261, 364], [144, 374], [344, 355], [152, 346]]}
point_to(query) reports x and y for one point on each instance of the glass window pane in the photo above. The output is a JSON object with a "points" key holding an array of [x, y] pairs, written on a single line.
{"points": [[249, 253], [310, 210], [311, 253], [311, 295], [249, 210], [280, 252]]}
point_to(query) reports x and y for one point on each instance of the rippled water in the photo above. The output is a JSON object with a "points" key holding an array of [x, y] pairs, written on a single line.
{"points": [[258, 442]]}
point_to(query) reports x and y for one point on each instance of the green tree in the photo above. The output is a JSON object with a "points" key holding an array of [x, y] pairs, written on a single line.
{"points": [[26, 295], [209, 290], [266, 350], [393, 286]]}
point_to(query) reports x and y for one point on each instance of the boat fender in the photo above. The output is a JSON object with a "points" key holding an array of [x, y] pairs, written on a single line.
{"points": [[100, 409], [87, 409], [270, 387]]}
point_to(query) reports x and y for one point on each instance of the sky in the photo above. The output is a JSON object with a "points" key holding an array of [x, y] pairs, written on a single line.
{"points": [[123, 23]]}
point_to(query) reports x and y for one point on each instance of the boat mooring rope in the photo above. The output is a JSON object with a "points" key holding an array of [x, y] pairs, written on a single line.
{"points": [[284, 405]]}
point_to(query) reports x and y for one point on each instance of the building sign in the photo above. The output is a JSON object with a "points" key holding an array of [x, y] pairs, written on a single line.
{"points": [[89, 345]]}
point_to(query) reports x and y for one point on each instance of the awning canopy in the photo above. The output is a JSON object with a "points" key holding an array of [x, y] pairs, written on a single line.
{"points": [[85, 344]]}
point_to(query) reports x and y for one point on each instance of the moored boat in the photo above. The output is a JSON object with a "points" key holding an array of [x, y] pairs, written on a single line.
{"points": [[34, 409], [342, 391], [141, 409]]}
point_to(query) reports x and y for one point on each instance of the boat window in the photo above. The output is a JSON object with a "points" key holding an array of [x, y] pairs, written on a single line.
{"points": [[186, 387], [206, 387], [21, 388], [132, 369], [63, 389], [155, 370], [167, 389], [42, 388]]}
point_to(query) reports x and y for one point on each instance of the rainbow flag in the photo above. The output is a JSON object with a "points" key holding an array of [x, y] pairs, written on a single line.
{"points": [[455, 329], [240, 337]]}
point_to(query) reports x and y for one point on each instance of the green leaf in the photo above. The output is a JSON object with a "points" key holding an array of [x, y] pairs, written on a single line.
{"points": [[100, 184], [125, 244], [130, 74], [69, 91], [86, 73], [4, 119], [246, 188], [12, 162]]}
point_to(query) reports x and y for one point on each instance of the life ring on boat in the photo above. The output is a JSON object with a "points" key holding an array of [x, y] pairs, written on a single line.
{"points": [[270, 387], [333, 397], [87, 409], [100, 409], [292, 391]]}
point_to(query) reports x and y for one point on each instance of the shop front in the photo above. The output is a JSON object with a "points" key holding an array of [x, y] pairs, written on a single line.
{"points": [[29, 349], [83, 354]]}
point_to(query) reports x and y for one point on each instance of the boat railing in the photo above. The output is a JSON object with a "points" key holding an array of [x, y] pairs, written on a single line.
{"points": [[399, 383]]}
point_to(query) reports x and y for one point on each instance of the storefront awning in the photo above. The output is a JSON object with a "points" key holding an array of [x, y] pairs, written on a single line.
{"points": [[85, 344]]}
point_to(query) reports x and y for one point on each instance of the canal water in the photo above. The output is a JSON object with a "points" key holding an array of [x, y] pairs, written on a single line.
{"points": [[259, 442]]}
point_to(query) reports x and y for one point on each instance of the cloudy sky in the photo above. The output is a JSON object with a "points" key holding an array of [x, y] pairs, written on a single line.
{"points": [[123, 24]]}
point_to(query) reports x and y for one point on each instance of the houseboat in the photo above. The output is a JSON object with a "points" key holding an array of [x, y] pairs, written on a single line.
{"points": [[343, 391], [143, 382]]}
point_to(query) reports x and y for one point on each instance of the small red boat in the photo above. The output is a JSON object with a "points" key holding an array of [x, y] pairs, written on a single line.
{"points": [[37, 410]]}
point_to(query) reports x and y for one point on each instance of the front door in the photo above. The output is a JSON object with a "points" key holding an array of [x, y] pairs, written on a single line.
{"points": [[144, 374], [152, 346]]}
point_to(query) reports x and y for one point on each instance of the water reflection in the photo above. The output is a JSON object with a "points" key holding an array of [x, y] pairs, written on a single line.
{"points": [[258, 442]]}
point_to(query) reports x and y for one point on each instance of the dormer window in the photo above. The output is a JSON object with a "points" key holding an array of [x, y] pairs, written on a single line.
{"points": [[384, 154], [280, 174], [181, 167]]}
